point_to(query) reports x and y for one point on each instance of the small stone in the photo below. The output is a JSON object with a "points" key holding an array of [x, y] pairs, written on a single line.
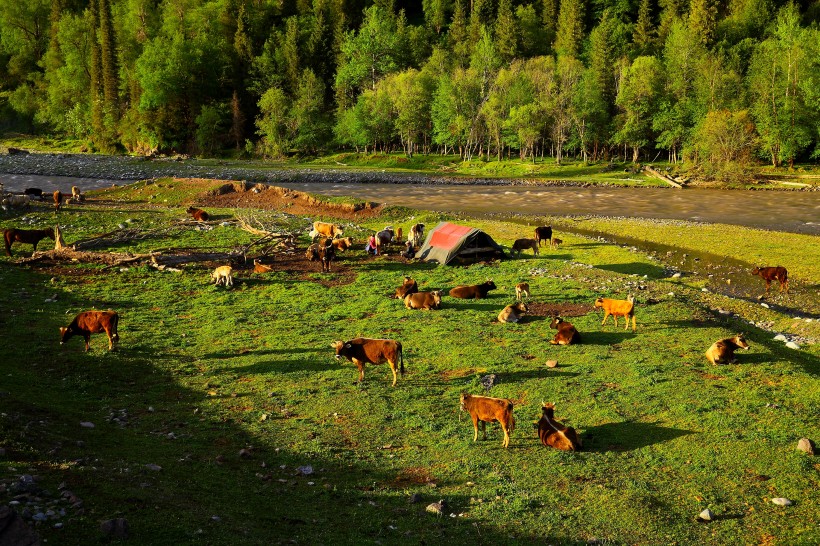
{"points": [[87, 424], [552, 363], [780, 337], [781, 501], [676, 276], [704, 289], [792, 345], [58, 525], [245, 453], [154, 467], [765, 305], [306, 470], [706, 515], [805, 445]]}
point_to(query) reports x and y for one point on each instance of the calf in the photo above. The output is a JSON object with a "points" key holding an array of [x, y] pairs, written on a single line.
{"points": [[223, 275], [474, 291], [521, 244], [543, 233], [198, 214], [34, 192], [417, 234], [722, 351], [364, 350], [522, 289], [423, 300], [28, 236], [58, 199], [343, 244], [554, 434], [618, 308], [327, 253], [485, 409], [555, 243], [513, 313], [324, 229], [75, 193], [259, 267], [566, 335], [769, 274], [409, 286], [92, 322]]}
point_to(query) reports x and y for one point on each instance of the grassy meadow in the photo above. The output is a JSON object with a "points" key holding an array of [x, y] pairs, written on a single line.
{"points": [[216, 397]]}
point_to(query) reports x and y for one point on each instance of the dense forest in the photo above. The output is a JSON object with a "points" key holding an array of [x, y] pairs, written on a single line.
{"points": [[727, 82]]}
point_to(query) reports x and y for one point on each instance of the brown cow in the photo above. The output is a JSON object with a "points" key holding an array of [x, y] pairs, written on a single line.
{"points": [[343, 244], [555, 243], [554, 434], [473, 291], [488, 410], [423, 300], [769, 274], [312, 252], [326, 253], [198, 214], [566, 335], [409, 286], [522, 289], [92, 322], [259, 267], [325, 229], [521, 244], [513, 313], [364, 350], [58, 199], [28, 236], [722, 351], [618, 308], [543, 233]]}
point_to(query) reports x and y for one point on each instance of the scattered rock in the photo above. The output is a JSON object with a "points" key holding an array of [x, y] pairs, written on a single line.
{"points": [[245, 453], [154, 467], [781, 501], [306, 470], [87, 424], [117, 528], [706, 515], [780, 337], [552, 363], [792, 345], [765, 305], [488, 381], [805, 445]]}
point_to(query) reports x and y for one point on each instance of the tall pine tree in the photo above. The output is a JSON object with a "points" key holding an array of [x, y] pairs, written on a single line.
{"points": [[570, 28]]}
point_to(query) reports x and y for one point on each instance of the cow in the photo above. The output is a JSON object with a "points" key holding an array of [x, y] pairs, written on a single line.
{"points": [[566, 335], [343, 244], [223, 275], [312, 252], [543, 233], [58, 199], [521, 244], [92, 322], [488, 410], [259, 267], [198, 214], [513, 313], [399, 235], [329, 231], [34, 192], [555, 243], [409, 286], [475, 291], [28, 236], [16, 201], [722, 351], [423, 300], [76, 194], [326, 253], [522, 289], [618, 308], [554, 434], [384, 238], [417, 234], [364, 350], [769, 274]]}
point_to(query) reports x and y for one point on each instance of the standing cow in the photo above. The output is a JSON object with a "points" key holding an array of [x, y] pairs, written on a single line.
{"points": [[543, 233], [364, 350], [485, 409], [92, 322]]}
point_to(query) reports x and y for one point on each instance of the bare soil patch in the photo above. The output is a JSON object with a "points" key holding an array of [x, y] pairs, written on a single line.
{"points": [[559, 309]]}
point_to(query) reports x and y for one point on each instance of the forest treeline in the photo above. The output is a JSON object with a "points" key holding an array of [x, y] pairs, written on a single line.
{"points": [[717, 83]]}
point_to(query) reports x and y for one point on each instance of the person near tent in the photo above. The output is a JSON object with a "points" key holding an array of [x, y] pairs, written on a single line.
{"points": [[371, 247], [409, 251]]}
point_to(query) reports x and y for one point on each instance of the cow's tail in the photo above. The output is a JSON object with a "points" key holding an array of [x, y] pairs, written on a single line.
{"points": [[401, 360], [114, 335], [511, 424]]}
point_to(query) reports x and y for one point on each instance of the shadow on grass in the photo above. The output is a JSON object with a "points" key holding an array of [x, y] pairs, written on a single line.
{"points": [[223, 355], [605, 338], [541, 373], [627, 436]]}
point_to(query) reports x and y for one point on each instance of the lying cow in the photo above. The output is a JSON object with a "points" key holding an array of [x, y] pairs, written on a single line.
{"points": [[769, 274], [364, 350], [34, 192], [522, 289], [409, 286], [554, 434], [722, 351], [417, 234], [474, 291], [485, 409], [223, 275], [16, 201], [259, 267], [324, 229], [28, 236], [198, 214], [618, 308], [522, 244], [423, 300], [513, 313], [543, 233], [566, 335], [92, 322], [343, 244]]}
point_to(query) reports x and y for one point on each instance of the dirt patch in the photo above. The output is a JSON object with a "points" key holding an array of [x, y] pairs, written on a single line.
{"points": [[559, 309], [298, 267], [414, 475], [447, 375]]}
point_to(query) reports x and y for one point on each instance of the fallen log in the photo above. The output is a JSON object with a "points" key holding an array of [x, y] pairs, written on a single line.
{"points": [[668, 179]]}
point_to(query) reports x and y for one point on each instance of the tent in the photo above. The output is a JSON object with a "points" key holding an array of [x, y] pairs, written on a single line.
{"points": [[447, 243]]}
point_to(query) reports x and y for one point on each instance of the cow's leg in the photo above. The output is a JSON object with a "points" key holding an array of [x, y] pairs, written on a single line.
{"points": [[615, 319], [506, 435], [768, 284], [393, 367], [606, 316], [110, 339], [87, 338], [484, 429], [475, 427]]}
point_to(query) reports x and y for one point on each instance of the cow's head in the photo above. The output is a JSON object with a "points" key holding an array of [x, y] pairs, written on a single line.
{"points": [[740, 341], [340, 347], [65, 334], [599, 302], [463, 400], [556, 321], [437, 296], [490, 284], [521, 307], [548, 410], [756, 270]]}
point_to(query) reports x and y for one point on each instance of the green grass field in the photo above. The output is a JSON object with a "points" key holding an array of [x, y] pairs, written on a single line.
{"points": [[204, 372]]}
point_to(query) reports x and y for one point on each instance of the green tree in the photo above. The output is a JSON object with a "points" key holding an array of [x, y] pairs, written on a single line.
{"points": [[435, 13], [532, 40], [411, 93], [703, 19], [210, 127], [638, 97], [274, 123], [726, 137], [570, 29], [568, 76], [506, 32], [308, 113], [642, 35], [458, 35]]}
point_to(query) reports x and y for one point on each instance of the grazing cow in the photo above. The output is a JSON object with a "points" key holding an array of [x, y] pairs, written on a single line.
{"points": [[566, 335], [409, 286], [423, 300], [722, 351], [259, 267], [343, 244], [521, 244], [384, 238], [399, 235], [417, 234], [543, 233], [555, 243], [488, 410], [475, 291], [364, 350], [198, 214], [223, 275], [34, 192], [28, 236], [513, 313], [92, 322], [16, 201], [329, 231], [554, 434], [58, 199], [326, 253], [618, 308], [522, 289], [769, 274]]}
